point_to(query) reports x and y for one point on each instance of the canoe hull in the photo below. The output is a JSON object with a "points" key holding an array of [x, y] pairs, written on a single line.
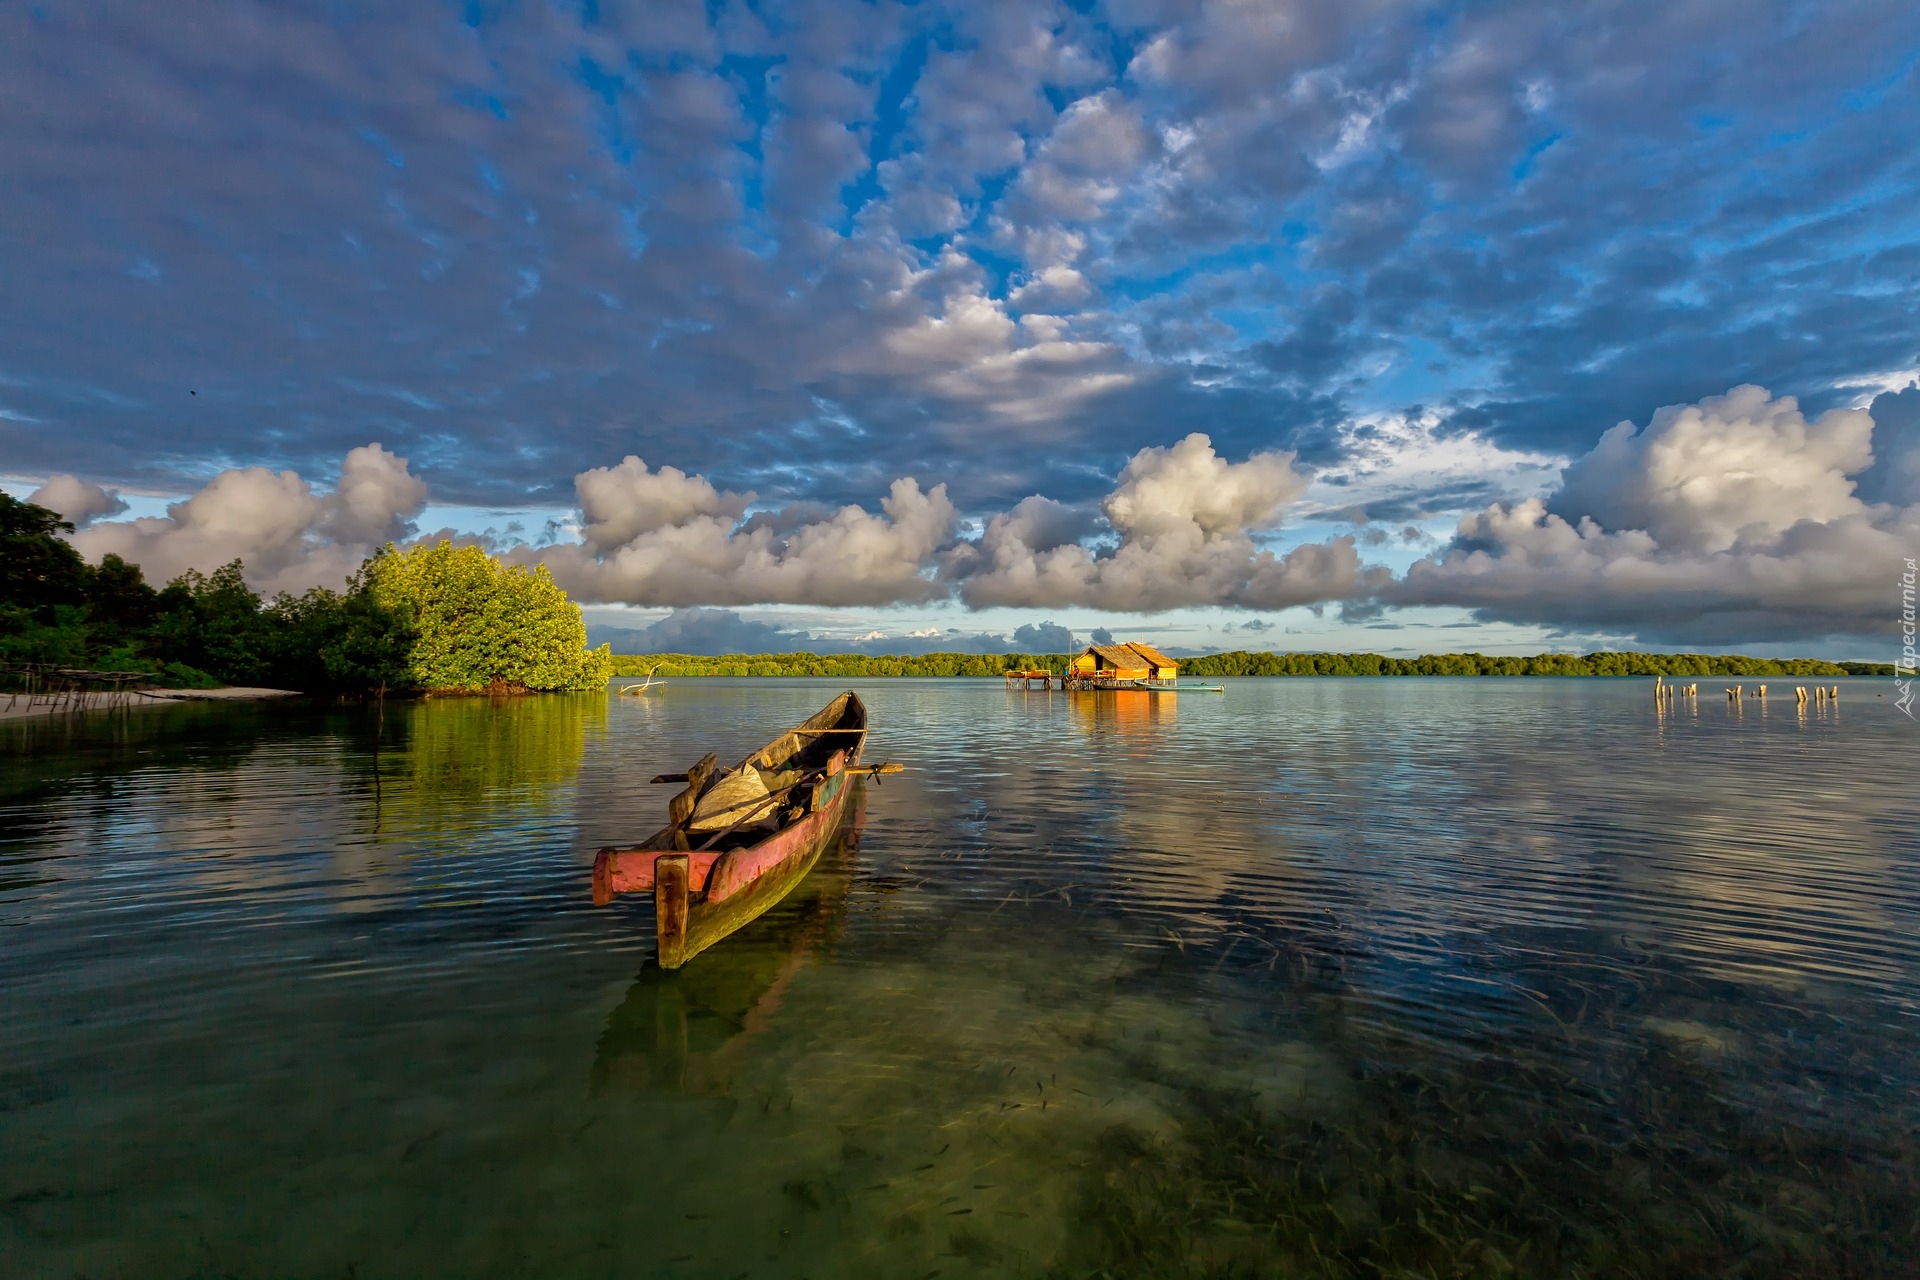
{"points": [[618, 871], [726, 889], [740, 892]]}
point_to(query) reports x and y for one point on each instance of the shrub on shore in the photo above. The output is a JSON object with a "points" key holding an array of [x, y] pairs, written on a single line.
{"points": [[480, 625], [428, 618]]}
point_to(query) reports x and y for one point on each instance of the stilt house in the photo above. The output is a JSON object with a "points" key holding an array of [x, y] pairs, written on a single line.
{"points": [[1130, 661]]}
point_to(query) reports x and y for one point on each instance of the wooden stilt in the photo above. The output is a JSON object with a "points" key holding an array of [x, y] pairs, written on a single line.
{"points": [[670, 874]]}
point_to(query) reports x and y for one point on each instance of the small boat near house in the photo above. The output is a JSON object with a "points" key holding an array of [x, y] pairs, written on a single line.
{"points": [[739, 839]]}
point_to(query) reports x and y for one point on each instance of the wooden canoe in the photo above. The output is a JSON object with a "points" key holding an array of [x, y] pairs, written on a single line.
{"points": [[712, 872], [690, 1030]]}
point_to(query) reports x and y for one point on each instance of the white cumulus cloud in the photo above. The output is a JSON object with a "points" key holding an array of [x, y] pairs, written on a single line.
{"points": [[1737, 467], [623, 502], [77, 500], [665, 538], [1731, 521], [288, 536], [1185, 518]]}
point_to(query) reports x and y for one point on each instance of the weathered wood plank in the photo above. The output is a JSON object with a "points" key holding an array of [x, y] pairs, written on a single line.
{"points": [[670, 908]]}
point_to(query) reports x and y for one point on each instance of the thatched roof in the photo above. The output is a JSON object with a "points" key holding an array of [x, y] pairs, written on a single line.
{"points": [[1117, 655], [1153, 656]]}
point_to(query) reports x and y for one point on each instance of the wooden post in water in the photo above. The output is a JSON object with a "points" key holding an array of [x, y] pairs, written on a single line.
{"points": [[670, 875]]}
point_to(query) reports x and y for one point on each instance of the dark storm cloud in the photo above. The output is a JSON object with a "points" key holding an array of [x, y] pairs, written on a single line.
{"points": [[807, 249], [1895, 474], [1043, 637]]}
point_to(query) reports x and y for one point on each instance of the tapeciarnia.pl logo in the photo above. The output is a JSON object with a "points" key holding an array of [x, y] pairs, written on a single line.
{"points": [[1904, 670]]}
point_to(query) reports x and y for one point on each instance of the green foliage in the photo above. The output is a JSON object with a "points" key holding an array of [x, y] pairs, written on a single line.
{"points": [[482, 625], [1240, 663], [371, 645], [431, 617], [56, 635], [321, 641], [214, 622], [39, 570], [121, 607]]}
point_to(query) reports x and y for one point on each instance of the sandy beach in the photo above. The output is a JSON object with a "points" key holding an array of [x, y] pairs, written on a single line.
{"points": [[20, 706]]}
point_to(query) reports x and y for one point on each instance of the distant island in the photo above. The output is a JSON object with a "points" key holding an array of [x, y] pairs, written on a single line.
{"points": [[1242, 663]]}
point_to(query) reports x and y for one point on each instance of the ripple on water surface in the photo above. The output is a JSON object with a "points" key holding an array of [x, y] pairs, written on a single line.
{"points": [[1315, 977]]}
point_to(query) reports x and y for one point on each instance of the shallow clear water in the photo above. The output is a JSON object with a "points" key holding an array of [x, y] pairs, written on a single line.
{"points": [[1313, 977]]}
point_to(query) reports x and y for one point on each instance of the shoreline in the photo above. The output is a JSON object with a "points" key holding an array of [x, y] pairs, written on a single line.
{"points": [[22, 706]]}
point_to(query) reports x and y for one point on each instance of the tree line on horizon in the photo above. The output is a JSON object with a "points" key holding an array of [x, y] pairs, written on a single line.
{"points": [[1243, 663], [454, 619], [439, 619]]}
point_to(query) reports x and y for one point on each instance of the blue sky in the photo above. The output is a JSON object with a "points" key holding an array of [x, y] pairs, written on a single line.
{"points": [[1427, 254]]}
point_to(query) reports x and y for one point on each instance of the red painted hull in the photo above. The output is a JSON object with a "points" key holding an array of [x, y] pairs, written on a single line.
{"points": [[618, 871], [726, 888]]}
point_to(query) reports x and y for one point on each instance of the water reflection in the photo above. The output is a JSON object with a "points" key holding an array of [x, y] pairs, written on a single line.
{"points": [[449, 757], [1123, 717], [684, 1031], [1317, 977]]}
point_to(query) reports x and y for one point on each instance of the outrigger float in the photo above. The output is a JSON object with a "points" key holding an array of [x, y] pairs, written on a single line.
{"points": [[738, 840]]}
